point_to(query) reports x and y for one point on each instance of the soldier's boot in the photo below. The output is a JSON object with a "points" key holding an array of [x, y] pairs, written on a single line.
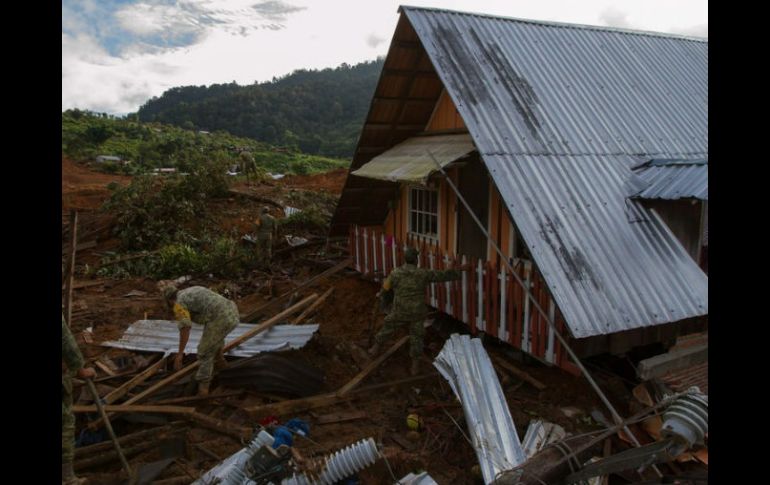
{"points": [[68, 475], [415, 369], [220, 363], [203, 388], [374, 349]]}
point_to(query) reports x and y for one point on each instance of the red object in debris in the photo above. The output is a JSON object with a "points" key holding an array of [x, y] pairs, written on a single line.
{"points": [[268, 420]]}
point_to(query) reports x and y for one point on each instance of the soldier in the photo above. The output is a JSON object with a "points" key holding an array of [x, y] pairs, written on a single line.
{"points": [[408, 283], [217, 314], [73, 359], [266, 227]]}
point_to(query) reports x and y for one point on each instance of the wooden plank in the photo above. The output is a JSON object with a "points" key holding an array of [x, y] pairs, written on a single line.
{"points": [[134, 408], [71, 267], [341, 417], [220, 426], [339, 267], [309, 310], [372, 366], [104, 367], [144, 435], [328, 399], [178, 400], [518, 372], [135, 381]]}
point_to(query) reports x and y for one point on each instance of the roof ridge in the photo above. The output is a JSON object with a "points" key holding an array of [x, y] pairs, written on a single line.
{"points": [[550, 23]]}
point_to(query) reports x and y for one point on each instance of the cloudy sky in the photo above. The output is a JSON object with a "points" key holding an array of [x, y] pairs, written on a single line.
{"points": [[116, 54]]}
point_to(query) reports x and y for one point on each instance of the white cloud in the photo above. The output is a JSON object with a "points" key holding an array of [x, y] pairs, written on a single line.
{"points": [[201, 42]]}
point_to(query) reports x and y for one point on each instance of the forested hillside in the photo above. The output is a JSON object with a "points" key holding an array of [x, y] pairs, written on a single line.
{"points": [[317, 112], [86, 135]]}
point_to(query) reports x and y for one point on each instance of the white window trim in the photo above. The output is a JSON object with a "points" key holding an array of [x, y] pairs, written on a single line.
{"points": [[439, 222]]}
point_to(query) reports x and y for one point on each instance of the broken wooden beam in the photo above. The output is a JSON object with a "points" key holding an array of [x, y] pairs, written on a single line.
{"points": [[135, 381], [220, 426], [70, 279], [341, 417], [309, 310], [517, 372], [134, 408], [371, 367], [110, 456], [178, 400], [339, 267], [327, 399], [152, 434]]}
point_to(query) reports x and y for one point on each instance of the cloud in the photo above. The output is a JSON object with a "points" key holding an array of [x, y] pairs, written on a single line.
{"points": [[699, 30], [373, 40], [275, 10], [613, 17]]}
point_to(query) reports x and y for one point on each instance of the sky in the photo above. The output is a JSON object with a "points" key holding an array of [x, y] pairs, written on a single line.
{"points": [[117, 54]]}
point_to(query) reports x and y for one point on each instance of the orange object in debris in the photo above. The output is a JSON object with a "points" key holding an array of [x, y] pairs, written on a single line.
{"points": [[642, 395], [653, 426], [702, 456]]}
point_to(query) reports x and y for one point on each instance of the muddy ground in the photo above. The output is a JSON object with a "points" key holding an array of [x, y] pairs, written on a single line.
{"points": [[346, 321]]}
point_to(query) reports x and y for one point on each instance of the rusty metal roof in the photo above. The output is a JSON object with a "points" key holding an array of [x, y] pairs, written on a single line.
{"points": [[560, 115]]}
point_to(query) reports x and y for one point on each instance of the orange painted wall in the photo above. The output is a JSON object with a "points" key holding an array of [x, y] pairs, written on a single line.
{"points": [[445, 115]]}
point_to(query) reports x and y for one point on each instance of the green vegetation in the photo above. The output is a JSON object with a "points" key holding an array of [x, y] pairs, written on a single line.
{"points": [[317, 112], [86, 135]]}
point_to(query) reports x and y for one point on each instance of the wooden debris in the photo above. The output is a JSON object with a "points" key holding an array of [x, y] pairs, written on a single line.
{"points": [[341, 417], [518, 372], [138, 379], [134, 408], [339, 267], [219, 425], [152, 434], [104, 367], [373, 365], [70, 274], [207, 452], [309, 310], [178, 400]]}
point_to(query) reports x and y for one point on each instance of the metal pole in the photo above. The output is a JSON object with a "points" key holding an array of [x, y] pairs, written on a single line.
{"points": [[615, 415], [108, 425]]}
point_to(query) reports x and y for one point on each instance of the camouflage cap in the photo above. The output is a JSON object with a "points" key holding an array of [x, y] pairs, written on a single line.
{"points": [[410, 255], [169, 291]]}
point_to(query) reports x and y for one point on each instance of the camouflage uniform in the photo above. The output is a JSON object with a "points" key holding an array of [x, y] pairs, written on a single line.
{"points": [[72, 357], [265, 237], [217, 314], [409, 283]]}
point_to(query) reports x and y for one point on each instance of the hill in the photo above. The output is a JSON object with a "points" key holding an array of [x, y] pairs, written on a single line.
{"points": [[315, 111], [86, 135]]}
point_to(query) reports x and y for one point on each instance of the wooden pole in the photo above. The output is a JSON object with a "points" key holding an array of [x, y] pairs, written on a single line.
{"points": [[71, 266], [309, 310], [132, 408], [335, 269], [108, 425], [369, 368], [135, 381]]}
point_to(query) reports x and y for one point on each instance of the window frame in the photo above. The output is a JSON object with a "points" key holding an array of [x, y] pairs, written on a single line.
{"points": [[410, 209]]}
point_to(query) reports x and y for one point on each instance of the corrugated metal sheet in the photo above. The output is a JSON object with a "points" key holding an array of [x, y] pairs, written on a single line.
{"points": [[674, 179], [466, 366], [231, 471], [416, 479], [539, 435], [409, 161], [163, 336], [560, 114]]}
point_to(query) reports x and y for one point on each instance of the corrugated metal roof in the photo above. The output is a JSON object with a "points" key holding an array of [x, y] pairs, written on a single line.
{"points": [[674, 179], [163, 336], [540, 434], [466, 366], [409, 161], [416, 479], [560, 114]]}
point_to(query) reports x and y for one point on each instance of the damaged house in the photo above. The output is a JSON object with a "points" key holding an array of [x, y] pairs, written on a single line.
{"points": [[584, 152]]}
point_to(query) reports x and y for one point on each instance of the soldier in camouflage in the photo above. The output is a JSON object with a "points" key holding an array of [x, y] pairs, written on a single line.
{"points": [[408, 284], [72, 365], [266, 228], [217, 314]]}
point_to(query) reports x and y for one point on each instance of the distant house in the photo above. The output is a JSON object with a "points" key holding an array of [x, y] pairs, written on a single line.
{"points": [[108, 158], [582, 150], [164, 171], [202, 132]]}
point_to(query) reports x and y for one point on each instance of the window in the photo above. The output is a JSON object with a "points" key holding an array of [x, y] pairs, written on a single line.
{"points": [[423, 212]]}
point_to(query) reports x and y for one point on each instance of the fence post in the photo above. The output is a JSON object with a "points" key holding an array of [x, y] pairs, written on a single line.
{"points": [[525, 321], [358, 253], [549, 356], [384, 256], [431, 265], [480, 296], [465, 294], [502, 331], [366, 252], [448, 285]]}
